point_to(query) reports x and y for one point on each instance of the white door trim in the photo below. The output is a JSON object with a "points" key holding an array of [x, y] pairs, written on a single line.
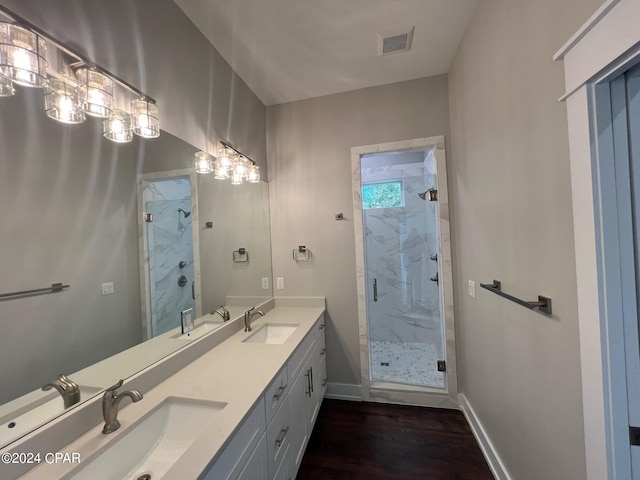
{"points": [[415, 396], [604, 47]]}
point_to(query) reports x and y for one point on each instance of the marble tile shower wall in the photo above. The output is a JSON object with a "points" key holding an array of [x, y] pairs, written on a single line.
{"points": [[398, 245], [170, 242]]}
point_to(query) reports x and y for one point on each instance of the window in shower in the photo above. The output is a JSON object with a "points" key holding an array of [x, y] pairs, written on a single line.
{"points": [[382, 195]]}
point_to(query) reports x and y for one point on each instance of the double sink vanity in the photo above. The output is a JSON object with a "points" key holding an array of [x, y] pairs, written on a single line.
{"points": [[233, 404]]}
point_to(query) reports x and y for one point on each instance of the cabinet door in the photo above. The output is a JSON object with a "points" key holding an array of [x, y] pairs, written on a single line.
{"points": [[256, 467], [299, 395], [317, 370]]}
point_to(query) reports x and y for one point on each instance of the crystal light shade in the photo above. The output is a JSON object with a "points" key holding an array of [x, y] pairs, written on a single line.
{"points": [[203, 162], [145, 119], [253, 174], [22, 56], [6, 87], [61, 102], [117, 127], [96, 92]]}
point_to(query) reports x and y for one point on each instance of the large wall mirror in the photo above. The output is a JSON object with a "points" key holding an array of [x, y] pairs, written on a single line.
{"points": [[73, 208]]}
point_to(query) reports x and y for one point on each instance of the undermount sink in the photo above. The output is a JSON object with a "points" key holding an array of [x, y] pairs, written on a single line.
{"points": [[274, 333], [199, 331], [35, 413], [152, 444]]}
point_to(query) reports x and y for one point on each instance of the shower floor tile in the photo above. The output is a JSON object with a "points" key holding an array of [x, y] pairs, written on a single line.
{"points": [[405, 363]]}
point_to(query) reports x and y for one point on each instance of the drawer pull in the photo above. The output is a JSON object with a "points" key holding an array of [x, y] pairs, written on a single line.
{"points": [[281, 390], [283, 433]]}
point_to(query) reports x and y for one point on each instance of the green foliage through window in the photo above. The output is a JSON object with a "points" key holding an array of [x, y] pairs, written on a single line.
{"points": [[382, 195]]}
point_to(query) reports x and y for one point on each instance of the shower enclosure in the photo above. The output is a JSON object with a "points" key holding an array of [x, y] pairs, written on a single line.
{"points": [[168, 246], [405, 272]]}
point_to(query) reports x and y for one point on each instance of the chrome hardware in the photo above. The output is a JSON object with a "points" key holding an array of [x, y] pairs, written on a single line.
{"points": [[55, 287], [434, 257], [248, 316], [321, 326], [182, 264], [148, 217], [543, 304], [241, 256], [435, 279], [110, 401], [302, 254], [68, 389], [281, 390], [283, 433], [311, 378], [182, 281], [308, 375], [226, 316], [375, 289]]}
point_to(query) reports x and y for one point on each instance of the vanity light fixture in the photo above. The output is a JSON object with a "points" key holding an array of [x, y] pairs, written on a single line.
{"points": [[75, 86], [96, 92], [117, 127], [231, 164], [22, 56], [145, 119], [6, 87], [61, 102], [204, 163]]}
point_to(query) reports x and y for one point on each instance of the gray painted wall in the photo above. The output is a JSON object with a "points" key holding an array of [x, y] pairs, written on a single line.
{"points": [[512, 207], [309, 150]]}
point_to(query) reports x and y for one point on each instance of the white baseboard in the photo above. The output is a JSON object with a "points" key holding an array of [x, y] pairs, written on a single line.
{"points": [[490, 454], [344, 391]]}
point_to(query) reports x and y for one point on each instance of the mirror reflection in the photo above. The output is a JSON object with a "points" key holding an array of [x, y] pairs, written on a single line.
{"points": [[74, 213]]}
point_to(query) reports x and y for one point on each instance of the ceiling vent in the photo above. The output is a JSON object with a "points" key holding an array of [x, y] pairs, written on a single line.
{"points": [[395, 42]]}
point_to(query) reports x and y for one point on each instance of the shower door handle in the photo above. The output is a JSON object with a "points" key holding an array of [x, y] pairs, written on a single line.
{"points": [[375, 289]]}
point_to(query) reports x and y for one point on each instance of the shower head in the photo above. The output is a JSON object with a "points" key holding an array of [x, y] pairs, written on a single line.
{"points": [[432, 195], [185, 213]]}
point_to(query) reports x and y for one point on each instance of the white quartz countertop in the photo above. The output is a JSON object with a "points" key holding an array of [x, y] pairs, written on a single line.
{"points": [[233, 372]]}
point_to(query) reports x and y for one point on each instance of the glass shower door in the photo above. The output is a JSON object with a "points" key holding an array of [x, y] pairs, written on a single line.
{"points": [[171, 267], [403, 290]]}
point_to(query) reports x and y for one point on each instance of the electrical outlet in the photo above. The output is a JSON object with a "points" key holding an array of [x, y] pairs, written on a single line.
{"points": [[107, 288], [472, 289], [265, 283], [280, 283]]}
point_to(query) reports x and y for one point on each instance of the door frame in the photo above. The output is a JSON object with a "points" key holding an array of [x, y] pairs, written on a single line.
{"points": [[145, 288], [607, 45], [381, 392]]}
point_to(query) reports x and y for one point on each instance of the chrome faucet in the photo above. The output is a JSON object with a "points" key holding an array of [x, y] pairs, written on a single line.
{"points": [[226, 316], [248, 316], [68, 389], [110, 401]]}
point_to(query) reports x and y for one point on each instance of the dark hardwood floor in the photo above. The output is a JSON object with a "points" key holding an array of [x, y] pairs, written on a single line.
{"points": [[373, 441]]}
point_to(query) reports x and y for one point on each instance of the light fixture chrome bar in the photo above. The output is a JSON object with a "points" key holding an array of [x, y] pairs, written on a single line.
{"points": [[231, 147], [82, 59]]}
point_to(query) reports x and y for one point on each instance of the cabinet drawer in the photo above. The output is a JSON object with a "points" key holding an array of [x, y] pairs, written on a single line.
{"points": [[278, 437], [275, 394]]}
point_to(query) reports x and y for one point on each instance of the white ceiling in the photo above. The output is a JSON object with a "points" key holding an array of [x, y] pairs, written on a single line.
{"points": [[288, 50]]}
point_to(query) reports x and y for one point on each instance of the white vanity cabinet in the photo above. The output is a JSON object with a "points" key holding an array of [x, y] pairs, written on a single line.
{"points": [[307, 391], [270, 443]]}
